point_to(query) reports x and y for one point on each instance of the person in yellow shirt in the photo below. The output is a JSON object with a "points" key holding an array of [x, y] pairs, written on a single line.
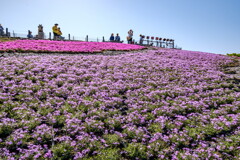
{"points": [[55, 31], [59, 33]]}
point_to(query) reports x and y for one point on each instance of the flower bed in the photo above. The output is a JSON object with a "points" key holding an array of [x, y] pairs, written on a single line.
{"points": [[164, 104], [46, 46]]}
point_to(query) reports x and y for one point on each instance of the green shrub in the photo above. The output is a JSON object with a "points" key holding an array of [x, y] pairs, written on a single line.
{"points": [[63, 151], [5, 131], [113, 139], [109, 154], [136, 150], [234, 54], [156, 128]]}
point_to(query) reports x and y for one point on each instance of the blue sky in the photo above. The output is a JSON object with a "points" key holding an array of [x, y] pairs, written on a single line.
{"points": [[198, 25]]}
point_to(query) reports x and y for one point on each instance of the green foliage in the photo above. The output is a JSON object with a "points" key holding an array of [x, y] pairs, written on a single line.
{"points": [[62, 94], [83, 108], [193, 132], [234, 63], [234, 54], [7, 108], [18, 72], [95, 126], [20, 97], [113, 139], [33, 79], [157, 146], [67, 107], [231, 145], [32, 124], [113, 123], [5, 130], [109, 154], [230, 72], [136, 150], [35, 88], [60, 83], [45, 110], [156, 128], [43, 96], [63, 151], [60, 121]]}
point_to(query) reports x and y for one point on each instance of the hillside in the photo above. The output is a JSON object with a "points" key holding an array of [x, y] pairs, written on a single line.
{"points": [[143, 104]]}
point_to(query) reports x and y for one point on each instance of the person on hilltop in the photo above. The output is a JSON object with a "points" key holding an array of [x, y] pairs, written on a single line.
{"points": [[117, 38], [1, 30], [130, 36], [30, 36], [111, 37], [141, 39], [55, 31], [59, 33]]}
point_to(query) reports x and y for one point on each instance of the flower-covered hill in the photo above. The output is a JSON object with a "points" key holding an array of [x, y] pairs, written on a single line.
{"points": [[47, 46], [163, 104]]}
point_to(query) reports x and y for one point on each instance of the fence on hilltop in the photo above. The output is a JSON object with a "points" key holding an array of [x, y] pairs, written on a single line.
{"points": [[149, 41]]}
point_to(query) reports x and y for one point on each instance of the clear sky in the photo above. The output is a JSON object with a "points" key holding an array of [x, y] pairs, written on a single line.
{"points": [[198, 25]]}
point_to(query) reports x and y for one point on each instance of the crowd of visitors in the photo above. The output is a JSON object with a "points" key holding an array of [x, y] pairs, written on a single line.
{"points": [[115, 39], [57, 35]]}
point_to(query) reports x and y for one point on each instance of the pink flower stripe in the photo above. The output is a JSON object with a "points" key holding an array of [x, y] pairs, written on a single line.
{"points": [[64, 46]]}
